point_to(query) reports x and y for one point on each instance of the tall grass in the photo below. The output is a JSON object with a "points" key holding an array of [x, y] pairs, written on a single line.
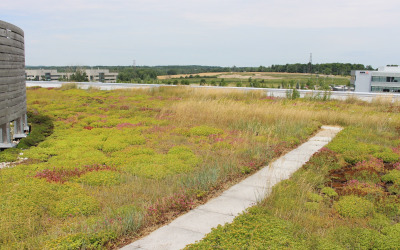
{"points": [[247, 110]]}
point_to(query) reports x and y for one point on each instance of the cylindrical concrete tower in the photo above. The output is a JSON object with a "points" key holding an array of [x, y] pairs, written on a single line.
{"points": [[12, 84]]}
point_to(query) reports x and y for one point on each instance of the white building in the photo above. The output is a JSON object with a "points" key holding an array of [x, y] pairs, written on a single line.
{"points": [[43, 75], [385, 79], [101, 75], [94, 75]]}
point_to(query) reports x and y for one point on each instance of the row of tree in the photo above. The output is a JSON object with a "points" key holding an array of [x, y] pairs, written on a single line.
{"points": [[129, 73]]}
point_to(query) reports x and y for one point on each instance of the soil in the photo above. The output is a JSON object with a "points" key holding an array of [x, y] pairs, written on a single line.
{"points": [[337, 178], [187, 75], [255, 76]]}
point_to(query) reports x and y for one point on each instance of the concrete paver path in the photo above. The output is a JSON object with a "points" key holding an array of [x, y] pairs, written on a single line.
{"points": [[194, 225]]}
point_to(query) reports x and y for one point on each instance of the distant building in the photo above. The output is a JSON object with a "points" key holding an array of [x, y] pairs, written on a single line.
{"points": [[385, 79], [43, 75], [101, 75], [94, 75]]}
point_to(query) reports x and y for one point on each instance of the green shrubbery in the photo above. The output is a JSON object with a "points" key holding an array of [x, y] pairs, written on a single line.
{"points": [[179, 159], [354, 147], [330, 192], [393, 177], [75, 205], [42, 126], [257, 229], [9, 155], [82, 241], [354, 207], [100, 178]]}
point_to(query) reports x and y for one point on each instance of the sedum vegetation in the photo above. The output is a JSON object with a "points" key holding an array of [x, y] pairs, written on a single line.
{"points": [[116, 163], [105, 165]]}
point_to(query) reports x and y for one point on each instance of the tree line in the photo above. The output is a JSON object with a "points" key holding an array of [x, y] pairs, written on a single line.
{"points": [[129, 73]]}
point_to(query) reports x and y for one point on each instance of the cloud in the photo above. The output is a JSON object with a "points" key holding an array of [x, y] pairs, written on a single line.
{"points": [[225, 31], [223, 13], [301, 14]]}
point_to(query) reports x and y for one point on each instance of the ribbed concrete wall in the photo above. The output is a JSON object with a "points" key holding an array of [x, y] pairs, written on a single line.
{"points": [[12, 80]]}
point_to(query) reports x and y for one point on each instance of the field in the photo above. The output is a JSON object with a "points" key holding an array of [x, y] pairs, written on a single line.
{"points": [[116, 164], [257, 79]]}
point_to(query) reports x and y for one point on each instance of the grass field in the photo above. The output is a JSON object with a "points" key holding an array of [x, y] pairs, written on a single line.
{"points": [[119, 163]]}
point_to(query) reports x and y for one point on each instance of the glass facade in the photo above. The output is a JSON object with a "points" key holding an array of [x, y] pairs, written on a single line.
{"points": [[385, 89], [385, 79]]}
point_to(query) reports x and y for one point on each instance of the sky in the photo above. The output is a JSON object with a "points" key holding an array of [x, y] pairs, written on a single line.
{"points": [[206, 32]]}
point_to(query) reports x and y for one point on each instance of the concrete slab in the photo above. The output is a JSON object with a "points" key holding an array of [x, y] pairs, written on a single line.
{"points": [[201, 221], [277, 173], [321, 138], [227, 205], [166, 238], [258, 180], [283, 163], [246, 192], [297, 156], [312, 146]]}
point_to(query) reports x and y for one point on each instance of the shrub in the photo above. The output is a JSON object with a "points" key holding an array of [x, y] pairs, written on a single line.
{"points": [[330, 192], [314, 197], [292, 94], [379, 221], [256, 229], [345, 237], [391, 239], [82, 241], [9, 155], [42, 126], [23, 203], [387, 156], [389, 206], [394, 177], [354, 207], [352, 150]]}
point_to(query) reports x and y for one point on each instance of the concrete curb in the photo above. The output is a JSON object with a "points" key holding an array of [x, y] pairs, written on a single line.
{"points": [[194, 225]]}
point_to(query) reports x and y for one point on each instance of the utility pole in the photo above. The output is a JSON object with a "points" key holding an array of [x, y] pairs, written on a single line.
{"points": [[310, 64]]}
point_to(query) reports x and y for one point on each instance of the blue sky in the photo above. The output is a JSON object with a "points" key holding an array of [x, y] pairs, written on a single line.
{"points": [[205, 32]]}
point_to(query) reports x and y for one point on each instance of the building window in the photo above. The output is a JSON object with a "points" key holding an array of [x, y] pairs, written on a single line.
{"points": [[385, 89], [385, 79]]}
